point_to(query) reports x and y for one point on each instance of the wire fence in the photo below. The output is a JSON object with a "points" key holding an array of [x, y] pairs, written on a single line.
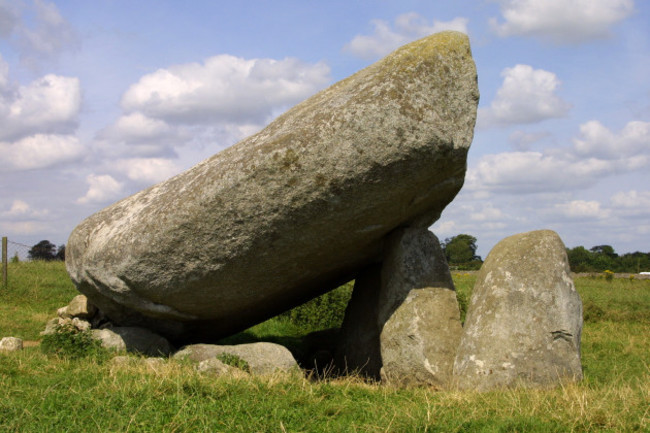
{"points": [[12, 252], [17, 251]]}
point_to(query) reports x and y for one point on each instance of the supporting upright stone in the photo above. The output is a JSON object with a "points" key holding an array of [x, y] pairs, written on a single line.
{"points": [[524, 320], [411, 320]]}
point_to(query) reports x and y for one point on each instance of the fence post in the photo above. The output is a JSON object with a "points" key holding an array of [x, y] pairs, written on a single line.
{"points": [[4, 262]]}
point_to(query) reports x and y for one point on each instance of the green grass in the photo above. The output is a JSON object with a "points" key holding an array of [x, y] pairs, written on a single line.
{"points": [[35, 291], [45, 393]]}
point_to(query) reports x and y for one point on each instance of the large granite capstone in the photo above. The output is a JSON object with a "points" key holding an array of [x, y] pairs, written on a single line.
{"points": [[292, 211]]}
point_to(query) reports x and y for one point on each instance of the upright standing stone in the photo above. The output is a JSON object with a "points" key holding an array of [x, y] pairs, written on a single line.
{"points": [[524, 319], [410, 321], [292, 211]]}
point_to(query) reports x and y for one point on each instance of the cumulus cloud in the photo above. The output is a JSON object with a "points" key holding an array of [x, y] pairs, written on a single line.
{"points": [[407, 27], [224, 89], [597, 140], [102, 188], [527, 95], [4, 78], [20, 209], [633, 204], [139, 135], [596, 153], [523, 140], [40, 151], [38, 31], [147, 170], [632, 199], [582, 209], [561, 21], [49, 104]]}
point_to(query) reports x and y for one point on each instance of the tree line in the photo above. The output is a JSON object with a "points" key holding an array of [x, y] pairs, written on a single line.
{"points": [[460, 251]]}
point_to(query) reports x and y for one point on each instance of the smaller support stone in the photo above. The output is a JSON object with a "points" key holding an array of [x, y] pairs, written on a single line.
{"points": [[403, 324]]}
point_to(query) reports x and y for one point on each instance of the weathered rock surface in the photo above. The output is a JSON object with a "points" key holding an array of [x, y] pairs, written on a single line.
{"points": [[292, 211], [524, 320], [133, 339], [262, 358], [404, 324], [215, 367], [80, 307], [11, 344]]}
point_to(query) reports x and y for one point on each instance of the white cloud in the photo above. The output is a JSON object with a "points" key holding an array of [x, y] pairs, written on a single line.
{"points": [[598, 141], [40, 151], [48, 36], [138, 135], [148, 170], [527, 95], [407, 27], [561, 21], [632, 199], [523, 140], [225, 89], [596, 153], [632, 204], [25, 227], [486, 213], [20, 209], [4, 77], [102, 188], [49, 104], [581, 209]]}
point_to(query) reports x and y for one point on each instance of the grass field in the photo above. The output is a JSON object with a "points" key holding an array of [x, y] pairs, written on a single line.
{"points": [[40, 393]]}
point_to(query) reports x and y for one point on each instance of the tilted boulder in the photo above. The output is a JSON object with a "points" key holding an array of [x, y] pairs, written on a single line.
{"points": [[403, 322], [292, 211], [524, 319]]}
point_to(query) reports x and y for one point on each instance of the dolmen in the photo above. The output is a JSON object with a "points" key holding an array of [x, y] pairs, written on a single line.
{"points": [[342, 186], [327, 191]]}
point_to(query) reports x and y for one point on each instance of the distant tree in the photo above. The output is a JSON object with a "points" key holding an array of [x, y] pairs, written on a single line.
{"points": [[44, 250], [60, 253], [580, 259], [461, 250], [607, 250]]}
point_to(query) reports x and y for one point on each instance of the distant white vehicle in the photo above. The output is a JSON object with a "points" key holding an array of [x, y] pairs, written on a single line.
{"points": [[644, 273]]}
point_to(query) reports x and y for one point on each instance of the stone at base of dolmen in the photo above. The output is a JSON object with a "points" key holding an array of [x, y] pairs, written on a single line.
{"points": [[292, 211], [524, 320], [403, 322]]}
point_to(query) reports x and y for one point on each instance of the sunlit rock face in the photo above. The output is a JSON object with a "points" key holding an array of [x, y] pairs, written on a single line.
{"points": [[524, 319], [292, 211]]}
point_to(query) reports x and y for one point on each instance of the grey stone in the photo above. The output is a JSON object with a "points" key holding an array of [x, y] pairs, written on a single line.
{"points": [[215, 367], [412, 321], [80, 324], [53, 324], [11, 344], [63, 313], [81, 308], [133, 339], [263, 358], [292, 211], [524, 319]]}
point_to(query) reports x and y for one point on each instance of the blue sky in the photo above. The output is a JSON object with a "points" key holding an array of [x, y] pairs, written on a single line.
{"points": [[101, 99]]}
